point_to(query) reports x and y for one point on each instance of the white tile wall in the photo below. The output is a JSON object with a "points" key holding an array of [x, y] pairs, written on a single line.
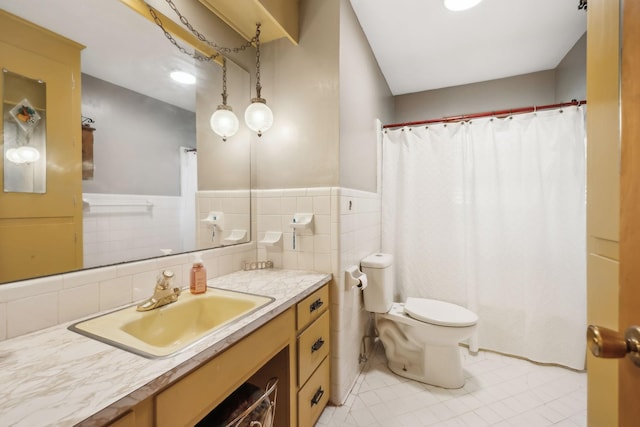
{"points": [[359, 235], [122, 232], [234, 204], [275, 210]]}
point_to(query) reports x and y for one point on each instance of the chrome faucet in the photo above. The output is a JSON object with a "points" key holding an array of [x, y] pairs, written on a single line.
{"points": [[163, 294]]}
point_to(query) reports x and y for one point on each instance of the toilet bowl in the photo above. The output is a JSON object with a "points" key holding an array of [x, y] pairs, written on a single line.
{"points": [[420, 336]]}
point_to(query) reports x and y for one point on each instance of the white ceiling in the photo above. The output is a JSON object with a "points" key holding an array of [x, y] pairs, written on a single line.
{"points": [[420, 45], [121, 47]]}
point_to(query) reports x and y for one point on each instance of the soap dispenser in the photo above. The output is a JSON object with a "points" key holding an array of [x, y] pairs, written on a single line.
{"points": [[198, 279]]}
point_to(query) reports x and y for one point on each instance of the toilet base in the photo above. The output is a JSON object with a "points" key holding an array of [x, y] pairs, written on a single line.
{"points": [[440, 366]]}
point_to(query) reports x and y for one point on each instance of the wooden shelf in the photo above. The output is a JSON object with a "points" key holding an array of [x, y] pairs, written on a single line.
{"points": [[175, 29], [278, 18]]}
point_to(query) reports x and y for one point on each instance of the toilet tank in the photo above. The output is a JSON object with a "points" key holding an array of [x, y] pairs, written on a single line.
{"points": [[378, 295]]}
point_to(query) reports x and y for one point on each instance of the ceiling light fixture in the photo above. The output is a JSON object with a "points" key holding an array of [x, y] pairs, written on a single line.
{"points": [[183, 77], [459, 5], [258, 115], [223, 121]]}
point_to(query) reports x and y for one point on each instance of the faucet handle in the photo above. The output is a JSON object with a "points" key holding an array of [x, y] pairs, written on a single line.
{"points": [[165, 280]]}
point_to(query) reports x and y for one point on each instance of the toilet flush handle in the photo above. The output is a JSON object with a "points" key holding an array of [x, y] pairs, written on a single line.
{"points": [[610, 344]]}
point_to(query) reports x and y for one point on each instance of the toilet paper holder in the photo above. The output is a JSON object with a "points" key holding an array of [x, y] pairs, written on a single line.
{"points": [[355, 278]]}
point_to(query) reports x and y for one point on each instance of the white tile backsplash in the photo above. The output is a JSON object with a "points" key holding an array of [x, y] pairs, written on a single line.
{"points": [[115, 292], [78, 302], [3, 321], [32, 313], [28, 288]]}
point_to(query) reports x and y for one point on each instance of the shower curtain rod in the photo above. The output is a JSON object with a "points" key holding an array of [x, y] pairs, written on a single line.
{"points": [[498, 114]]}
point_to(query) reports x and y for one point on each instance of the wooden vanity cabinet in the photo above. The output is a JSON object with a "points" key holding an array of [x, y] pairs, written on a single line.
{"points": [[190, 399], [313, 345]]}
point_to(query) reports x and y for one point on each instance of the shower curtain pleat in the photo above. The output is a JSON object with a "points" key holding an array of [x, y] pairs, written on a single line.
{"points": [[491, 215]]}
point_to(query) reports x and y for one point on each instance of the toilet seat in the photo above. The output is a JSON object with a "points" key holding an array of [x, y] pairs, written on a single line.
{"points": [[439, 312]]}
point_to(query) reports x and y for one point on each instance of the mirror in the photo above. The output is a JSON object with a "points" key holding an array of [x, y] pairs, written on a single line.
{"points": [[24, 133], [156, 179]]}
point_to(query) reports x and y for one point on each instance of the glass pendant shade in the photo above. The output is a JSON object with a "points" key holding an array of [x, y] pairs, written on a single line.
{"points": [[23, 154], [224, 122], [258, 116]]}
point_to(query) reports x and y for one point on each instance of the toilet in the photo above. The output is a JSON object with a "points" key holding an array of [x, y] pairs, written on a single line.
{"points": [[420, 336]]}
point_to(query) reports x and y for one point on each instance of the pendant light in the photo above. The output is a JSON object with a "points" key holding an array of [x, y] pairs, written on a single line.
{"points": [[258, 115], [223, 121]]}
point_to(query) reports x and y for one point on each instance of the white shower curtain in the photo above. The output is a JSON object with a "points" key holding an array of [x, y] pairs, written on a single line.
{"points": [[491, 215]]}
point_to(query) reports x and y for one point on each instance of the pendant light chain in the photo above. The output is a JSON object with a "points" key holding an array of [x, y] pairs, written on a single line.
{"points": [[224, 81], [201, 36], [174, 42], [257, 40], [258, 116]]}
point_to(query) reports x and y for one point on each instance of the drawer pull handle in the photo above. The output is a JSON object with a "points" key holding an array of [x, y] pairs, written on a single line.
{"points": [[316, 397], [315, 305], [317, 345]]}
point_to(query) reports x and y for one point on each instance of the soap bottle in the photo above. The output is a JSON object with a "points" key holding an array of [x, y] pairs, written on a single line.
{"points": [[198, 279]]}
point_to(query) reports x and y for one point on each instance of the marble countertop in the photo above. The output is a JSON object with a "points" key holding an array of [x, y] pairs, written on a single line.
{"points": [[58, 377]]}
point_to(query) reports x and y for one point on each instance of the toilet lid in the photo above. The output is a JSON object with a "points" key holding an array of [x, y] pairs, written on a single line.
{"points": [[439, 312]]}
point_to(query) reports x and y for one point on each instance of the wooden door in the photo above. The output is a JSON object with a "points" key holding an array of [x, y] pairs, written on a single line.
{"points": [[603, 183], [613, 384], [629, 302]]}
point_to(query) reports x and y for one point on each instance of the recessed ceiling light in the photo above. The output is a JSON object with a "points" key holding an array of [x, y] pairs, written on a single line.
{"points": [[182, 77], [458, 5]]}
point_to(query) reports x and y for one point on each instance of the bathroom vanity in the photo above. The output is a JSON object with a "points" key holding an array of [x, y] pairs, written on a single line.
{"points": [[59, 377]]}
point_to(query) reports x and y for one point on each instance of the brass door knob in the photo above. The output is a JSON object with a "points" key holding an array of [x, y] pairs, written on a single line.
{"points": [[609, 344]]}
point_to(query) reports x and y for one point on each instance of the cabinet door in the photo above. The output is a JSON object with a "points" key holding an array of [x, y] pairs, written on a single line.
{"points": [[42, 233]]}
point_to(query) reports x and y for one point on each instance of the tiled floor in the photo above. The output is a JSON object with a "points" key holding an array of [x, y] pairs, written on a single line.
{"points": [[499, 391]]}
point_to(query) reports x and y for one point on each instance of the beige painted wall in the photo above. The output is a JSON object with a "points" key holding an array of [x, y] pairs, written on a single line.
{"points": [[519, 91], [301, 84], [364, 97], [564, 83], [571, 73]]}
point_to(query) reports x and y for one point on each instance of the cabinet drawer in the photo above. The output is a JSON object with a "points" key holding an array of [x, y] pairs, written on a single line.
{"points": [[313, 397], [313, 347], [312, 307]]}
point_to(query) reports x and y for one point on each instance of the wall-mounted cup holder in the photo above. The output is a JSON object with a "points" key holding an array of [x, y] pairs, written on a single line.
{"points": [[302, 221]]}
